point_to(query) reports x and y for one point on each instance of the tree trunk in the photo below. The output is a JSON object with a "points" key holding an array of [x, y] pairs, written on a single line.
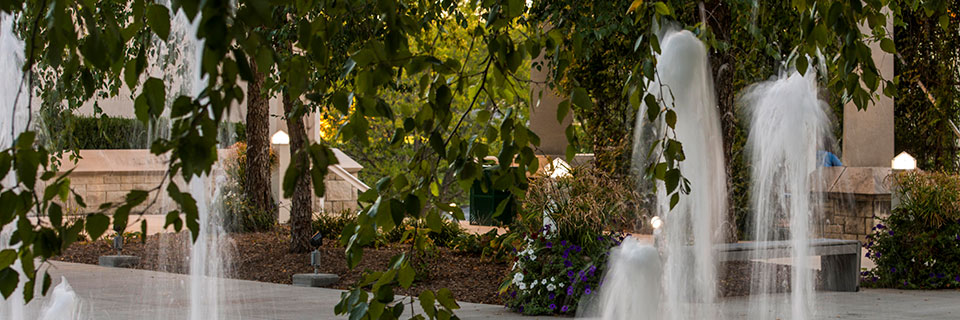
{"points": [[301, 209], [257, 175]]}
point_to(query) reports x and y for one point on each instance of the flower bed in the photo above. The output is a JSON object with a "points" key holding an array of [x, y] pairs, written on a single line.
{"points": [[550, 275], [918, 246]]}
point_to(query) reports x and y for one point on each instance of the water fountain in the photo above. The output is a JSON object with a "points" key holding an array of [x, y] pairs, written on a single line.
{"points": [[788, 126], [789, 123]]}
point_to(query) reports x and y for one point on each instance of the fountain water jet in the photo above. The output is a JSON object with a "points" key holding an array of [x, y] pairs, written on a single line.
{"points": [[688, 281], [788, 126]]}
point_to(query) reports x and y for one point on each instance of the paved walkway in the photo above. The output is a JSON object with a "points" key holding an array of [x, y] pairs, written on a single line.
{"points": [[110, 294]]}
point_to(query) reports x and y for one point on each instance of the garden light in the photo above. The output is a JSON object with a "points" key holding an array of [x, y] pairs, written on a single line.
{"points": [[280, 138], [559, 169], [903, 161], [656, 222]]}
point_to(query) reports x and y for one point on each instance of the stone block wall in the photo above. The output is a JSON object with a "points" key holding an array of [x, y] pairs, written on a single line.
{"points": [[98, 187], [340, 195], [852, 216]]}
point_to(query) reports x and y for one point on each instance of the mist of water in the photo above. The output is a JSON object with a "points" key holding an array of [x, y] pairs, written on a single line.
{"points": [[788, 126], [631, 284]]}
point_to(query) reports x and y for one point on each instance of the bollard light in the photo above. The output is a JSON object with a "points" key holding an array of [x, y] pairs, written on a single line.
{"points": [[903, 161], [656, 222], [280, 138]]}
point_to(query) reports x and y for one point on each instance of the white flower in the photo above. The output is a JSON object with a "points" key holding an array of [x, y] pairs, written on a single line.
{"points": [[552, 279], [533, 257], [551, 287], [544, 281], [518, 277], [533, 284], [562, 285], [523, 286]]}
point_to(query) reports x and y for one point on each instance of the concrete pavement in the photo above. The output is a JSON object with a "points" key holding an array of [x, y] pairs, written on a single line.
{"points": [[110, 294]]}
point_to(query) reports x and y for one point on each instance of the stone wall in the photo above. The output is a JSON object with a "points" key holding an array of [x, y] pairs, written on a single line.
{"points": [[853, 216], [340, 195]]}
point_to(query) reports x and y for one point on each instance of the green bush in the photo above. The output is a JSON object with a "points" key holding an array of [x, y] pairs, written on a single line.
{"points": [[918, 245], [555, 267], [85, 132], [239, 214]]}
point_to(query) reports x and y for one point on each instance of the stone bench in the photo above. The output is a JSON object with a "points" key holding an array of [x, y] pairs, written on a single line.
{"points": [[839, 259]]}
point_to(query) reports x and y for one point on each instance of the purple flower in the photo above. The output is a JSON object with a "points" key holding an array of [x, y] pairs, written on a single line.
{"points": [[874, 279], [521, 309], [891, 232], [877, 255], [567, 263], [569, 290], [940, 276], [592, 270], [599, 238], [564, 309], [956, 278], [583, 278], [577, 248], [904, 282], [881, 226], [868, 255], [563, 243], [566, 254], [549, 245], [570, 274], [551, 296], [893, 270], [932, 275], [587, 290], [552, 306]]}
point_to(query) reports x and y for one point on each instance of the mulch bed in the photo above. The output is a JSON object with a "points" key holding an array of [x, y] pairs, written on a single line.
{"points": [[264, 256]]}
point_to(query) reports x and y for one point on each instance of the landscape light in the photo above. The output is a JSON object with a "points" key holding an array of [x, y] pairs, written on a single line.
{"points": [[280, 138], [656, 222], [903, 161]]}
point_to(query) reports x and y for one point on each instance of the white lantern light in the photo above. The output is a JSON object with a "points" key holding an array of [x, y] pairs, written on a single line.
{"points": [[280, 138], [656, 222], [903, 161]]}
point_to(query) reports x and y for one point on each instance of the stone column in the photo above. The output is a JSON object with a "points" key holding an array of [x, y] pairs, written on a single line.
{"points": [[868, 134], [543, 111]]}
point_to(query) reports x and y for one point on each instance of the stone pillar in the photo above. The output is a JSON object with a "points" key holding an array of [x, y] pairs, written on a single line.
{"points": [[868, 134], [543, 111]]}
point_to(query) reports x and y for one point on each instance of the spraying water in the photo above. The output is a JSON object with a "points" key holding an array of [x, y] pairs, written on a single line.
{"points": [[788, 127], [690, 229], [687, 277]]}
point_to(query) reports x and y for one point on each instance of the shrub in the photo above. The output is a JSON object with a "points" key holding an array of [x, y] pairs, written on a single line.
{"points": [[239, 214], [85, 132], [556, 266], [918, 245], [550, 275], [497, 247]]}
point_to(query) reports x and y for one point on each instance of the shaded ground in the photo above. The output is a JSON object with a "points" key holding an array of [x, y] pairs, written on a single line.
{"points": [[264, 257]]}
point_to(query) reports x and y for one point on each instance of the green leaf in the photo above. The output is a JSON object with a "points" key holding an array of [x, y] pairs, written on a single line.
{"points": [[674, 199], [158, 18], [653, 109], [801, 64], [581, 99], [672, 179], [7, 257], [406, 276], [887, 45], [97, 224], [446, 299], [562, 109], [427, 302], [434, 221], [46, 283], [9, 279], [671, 119], [662, 9]]}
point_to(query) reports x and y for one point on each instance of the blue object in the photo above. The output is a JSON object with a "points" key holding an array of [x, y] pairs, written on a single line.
{"points": [[828, 159]]}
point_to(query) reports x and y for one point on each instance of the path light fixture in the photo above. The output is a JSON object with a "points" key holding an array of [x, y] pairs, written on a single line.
{"points": [[903, 161], [559, 169], [280, 138], [315, 279]]}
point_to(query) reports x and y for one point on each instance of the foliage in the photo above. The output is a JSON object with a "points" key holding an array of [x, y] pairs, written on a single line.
{"points": [[928, 68], [111, 48], [918, 245], [585, 203], [77, 132], [492, 244], [551, 273], [239, 214]]}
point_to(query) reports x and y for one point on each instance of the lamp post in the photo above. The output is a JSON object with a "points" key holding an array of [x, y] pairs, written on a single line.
{"points": [[902, 162], [315, 279]]}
